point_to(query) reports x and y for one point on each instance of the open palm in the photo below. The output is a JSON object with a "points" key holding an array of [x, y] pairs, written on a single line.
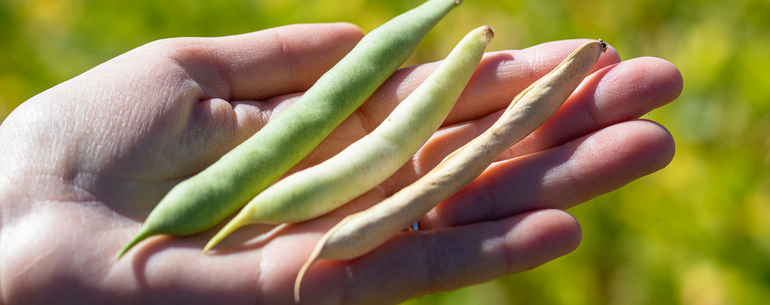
{"points": [[86, 161]]}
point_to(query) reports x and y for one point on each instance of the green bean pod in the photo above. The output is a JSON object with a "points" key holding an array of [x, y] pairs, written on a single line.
{"points": [[362, 232], [207, 198], [372, 159]]}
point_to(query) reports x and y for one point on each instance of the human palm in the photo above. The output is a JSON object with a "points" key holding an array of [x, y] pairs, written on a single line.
{"points": [[86, 161]]}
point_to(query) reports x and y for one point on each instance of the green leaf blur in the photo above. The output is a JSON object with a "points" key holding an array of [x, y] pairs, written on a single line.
{"points": [[697, 232]]}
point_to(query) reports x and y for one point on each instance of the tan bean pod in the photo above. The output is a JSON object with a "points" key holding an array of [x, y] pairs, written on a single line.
{"points": [[362, 232]]}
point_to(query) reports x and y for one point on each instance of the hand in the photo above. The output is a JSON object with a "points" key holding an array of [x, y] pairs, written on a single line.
{"points": [[85, 162]]}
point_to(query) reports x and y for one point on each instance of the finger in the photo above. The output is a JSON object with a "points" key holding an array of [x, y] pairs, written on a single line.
{"points": [[498, 78], [617, 93], [261, 64], [422, 262], [560, 177]]}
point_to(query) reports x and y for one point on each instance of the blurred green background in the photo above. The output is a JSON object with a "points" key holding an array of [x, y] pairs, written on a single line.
{"points": [[697, 232]]}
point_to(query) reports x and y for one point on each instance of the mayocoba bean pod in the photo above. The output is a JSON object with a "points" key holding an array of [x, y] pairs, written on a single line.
{"points": [[372, 159], [362, 232], [207, 198]]}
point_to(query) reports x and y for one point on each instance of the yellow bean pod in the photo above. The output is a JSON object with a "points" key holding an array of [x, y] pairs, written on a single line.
{"points": [[362, 232]]}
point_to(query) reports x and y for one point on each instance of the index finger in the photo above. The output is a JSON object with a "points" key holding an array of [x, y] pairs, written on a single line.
{"points": [[263, 64]]}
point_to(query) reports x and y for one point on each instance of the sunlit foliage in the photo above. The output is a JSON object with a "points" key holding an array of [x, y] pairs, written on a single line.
{"points": [[697, 232]]}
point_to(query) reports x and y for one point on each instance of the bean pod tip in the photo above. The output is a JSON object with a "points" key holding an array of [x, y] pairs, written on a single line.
{"points": [[231, 226], [489, 33], [604, 45], [314, 257], [137, 238]]}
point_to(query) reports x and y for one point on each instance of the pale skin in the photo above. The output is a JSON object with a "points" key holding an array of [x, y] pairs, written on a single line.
{"points": [[84, 163]]}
